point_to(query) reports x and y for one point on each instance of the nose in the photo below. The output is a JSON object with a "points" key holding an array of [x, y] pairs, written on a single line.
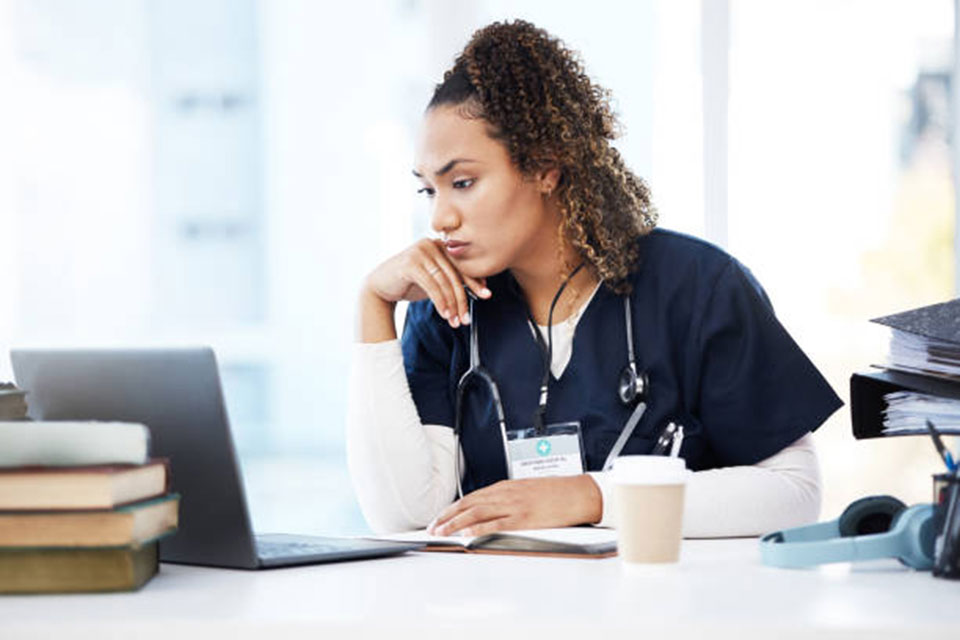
{"points": [[445, 216]]}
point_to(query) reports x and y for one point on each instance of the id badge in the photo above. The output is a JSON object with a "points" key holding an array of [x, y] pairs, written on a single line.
{"points": [[556, 452]]}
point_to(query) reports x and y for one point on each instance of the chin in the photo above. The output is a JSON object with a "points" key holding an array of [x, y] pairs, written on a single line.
{"points": [[478, 269]]}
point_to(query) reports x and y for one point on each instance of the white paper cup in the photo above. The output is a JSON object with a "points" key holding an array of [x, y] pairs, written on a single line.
{"points": [[648, 495]]}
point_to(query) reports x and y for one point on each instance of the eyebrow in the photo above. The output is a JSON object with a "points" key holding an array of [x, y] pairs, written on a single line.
{"points": [[447, 167]]}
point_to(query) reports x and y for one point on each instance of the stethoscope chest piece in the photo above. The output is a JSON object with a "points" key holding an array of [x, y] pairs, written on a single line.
{"points": [[632, 386]]}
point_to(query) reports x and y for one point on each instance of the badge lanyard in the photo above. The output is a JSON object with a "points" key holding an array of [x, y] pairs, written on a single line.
{"points": [[546, 450], [547, 351]]}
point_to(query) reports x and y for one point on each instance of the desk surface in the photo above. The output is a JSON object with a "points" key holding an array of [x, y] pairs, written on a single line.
{"points": [[719, 590]]}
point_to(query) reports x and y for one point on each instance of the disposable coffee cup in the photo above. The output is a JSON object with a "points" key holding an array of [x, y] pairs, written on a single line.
{"points": [[648, 495]]}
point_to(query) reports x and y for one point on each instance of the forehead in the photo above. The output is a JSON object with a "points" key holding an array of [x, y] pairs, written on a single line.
{"points": [[445, 134]]}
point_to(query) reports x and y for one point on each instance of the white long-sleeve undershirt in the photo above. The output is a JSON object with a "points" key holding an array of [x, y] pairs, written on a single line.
{"points": [[404, 474]]}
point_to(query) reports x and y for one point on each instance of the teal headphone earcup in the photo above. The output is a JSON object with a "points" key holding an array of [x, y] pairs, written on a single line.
{"points": [[869, 515], [916, 534]]}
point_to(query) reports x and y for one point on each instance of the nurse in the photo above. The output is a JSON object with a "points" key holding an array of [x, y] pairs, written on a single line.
{"points": [[574, 289]]}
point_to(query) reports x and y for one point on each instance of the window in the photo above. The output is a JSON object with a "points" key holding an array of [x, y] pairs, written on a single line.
{"points": [[840, 195]]}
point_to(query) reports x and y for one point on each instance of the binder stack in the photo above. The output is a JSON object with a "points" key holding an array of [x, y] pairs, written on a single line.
{"points": [[919, 381]]}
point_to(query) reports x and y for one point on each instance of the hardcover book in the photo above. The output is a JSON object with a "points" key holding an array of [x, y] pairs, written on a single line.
{"points": [[42, 570], [128, 525], [54, 443], [93, 487], [13, 405]]}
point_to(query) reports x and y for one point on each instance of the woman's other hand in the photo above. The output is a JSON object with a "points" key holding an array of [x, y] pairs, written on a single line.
{"points": [[534, 503]]}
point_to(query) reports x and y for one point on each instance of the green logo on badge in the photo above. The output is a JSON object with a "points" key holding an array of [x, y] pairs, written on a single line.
{"points": [[543, 447]]}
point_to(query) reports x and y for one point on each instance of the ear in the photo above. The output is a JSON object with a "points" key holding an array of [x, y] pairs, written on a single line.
{"points": [[548, 180]]}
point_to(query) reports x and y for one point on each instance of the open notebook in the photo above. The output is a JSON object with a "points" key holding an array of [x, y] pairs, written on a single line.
{"points": [[585, 542]]}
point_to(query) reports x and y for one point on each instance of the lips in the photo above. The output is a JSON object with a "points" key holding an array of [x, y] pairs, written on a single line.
{"points": [[455, 248]]}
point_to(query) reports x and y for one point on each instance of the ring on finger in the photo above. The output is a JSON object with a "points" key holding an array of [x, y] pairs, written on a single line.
{"points": [[433, 269]]}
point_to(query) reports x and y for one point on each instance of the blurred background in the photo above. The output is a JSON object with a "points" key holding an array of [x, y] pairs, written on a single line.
{"points": [[225, 172]]}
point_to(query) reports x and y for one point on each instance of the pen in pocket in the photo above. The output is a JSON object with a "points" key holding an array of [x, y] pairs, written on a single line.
{"points": [[663, 442]]}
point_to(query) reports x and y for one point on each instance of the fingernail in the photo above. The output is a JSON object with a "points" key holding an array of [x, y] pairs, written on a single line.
{"points": [[446, 314], [455, 322], [466, 318], [486, 293]]}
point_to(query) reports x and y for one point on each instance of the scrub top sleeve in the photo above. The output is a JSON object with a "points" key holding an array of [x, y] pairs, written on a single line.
{"points": [[427, 360], [758, 391]]}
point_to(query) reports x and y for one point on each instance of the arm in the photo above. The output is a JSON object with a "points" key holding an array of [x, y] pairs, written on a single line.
{"points": [[400, 479], [403, 473], [779, 492]]}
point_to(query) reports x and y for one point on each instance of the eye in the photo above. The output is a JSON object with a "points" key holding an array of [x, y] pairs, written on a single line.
{"points": [[463, 184], [426, 191]]}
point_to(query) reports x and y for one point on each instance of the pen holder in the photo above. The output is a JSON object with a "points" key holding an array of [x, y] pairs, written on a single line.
{"points": [[941, 482], [946, 500]]}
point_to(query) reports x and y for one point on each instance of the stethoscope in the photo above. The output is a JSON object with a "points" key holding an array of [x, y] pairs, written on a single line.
{"points": [[633, 385]]}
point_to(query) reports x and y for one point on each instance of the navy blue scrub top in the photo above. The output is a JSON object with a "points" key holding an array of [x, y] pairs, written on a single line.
{"points": [[718, 360]]}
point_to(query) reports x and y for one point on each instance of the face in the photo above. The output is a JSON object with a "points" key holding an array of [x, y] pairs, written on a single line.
{"points": [[492, 216]]}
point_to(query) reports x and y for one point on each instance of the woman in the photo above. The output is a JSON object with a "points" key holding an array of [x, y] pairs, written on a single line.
{"points": [[542, 222]]}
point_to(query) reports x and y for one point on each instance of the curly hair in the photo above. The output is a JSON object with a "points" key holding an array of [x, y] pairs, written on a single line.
{"points": [[538, 101]]}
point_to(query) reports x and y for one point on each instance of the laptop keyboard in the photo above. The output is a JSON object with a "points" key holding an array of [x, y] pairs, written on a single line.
{"points": [[275, 549], [283, 549]]}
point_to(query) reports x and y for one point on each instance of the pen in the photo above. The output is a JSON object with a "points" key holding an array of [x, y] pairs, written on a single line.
{"points": [[677, 441], [942, 450], [664, 440]]}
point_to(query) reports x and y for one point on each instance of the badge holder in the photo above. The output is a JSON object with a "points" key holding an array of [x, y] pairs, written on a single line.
{"points": [[553, 450]]}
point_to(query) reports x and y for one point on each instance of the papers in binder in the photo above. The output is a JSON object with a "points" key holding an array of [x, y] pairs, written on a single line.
{"points": [[918, 354], [908, 411]]}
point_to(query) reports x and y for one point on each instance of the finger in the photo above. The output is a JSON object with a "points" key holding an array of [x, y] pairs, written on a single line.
{"points": [[452, 279], [429, 284], [471, 518], [449, 309], [425, 254], [490, 526], [494, 495], [455, 279], [477, 285], [449, 512]]}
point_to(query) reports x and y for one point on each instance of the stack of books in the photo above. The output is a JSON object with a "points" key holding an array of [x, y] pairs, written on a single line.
{"points": [[920, 379], [82, 507], [13, 404]]}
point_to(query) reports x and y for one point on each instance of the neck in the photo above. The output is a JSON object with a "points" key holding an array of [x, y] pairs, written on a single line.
{"points": [[541, 277]]}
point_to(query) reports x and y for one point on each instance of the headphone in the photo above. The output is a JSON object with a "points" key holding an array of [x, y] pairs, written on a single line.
{"points": [[870, 528]]}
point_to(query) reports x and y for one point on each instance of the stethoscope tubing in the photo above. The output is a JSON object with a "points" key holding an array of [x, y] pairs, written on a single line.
{"points": [[475, 370]]}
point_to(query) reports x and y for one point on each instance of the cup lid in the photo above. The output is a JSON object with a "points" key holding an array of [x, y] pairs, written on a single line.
{"points": [[649, 470]]}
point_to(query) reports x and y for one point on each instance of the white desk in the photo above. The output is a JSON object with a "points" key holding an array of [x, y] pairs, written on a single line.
{"points": [[719, 591]]}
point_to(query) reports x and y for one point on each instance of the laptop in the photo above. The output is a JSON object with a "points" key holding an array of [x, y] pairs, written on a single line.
{"points": [[177, 394]]}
